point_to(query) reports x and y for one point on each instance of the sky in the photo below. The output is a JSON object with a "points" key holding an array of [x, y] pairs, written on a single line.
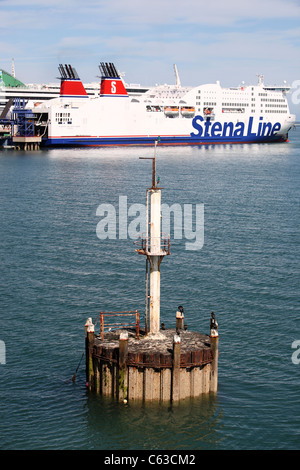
{"points": [[209, 40]]}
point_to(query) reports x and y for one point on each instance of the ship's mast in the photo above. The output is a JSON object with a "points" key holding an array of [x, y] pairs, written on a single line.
{"points": [[178, 83], [260, 79]]}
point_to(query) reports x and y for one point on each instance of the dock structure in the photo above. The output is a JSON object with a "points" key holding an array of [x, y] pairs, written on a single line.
{"points": [[170, 367], [20, 126], [153, 363], [26, 143], [23, 130]]}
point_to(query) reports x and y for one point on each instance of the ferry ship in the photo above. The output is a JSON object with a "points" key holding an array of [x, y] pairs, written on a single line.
{"points": [[170, 114]]}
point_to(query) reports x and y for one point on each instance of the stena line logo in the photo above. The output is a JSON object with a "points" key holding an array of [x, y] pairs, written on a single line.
{"points": [[229, 129], [113, 87]]}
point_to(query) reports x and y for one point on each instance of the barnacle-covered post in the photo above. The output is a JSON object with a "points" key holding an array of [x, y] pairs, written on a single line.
{"points": [[214, 344]]}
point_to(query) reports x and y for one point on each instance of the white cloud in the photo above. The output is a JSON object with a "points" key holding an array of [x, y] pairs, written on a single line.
{"points": [[77, 41], [139, 13], [196, 11], [207, 39]]}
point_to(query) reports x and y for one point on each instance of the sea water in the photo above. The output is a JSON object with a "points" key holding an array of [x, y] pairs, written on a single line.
{"points": [[56, 272]]}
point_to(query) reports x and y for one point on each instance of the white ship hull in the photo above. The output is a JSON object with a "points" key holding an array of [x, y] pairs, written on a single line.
{"points": [[174, 115]]}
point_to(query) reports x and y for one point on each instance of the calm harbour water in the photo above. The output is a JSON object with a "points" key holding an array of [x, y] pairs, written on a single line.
{"points": [[55, 273]]}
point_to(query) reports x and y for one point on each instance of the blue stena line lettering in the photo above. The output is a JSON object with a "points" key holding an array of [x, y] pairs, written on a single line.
{"points": [[229, 129]]}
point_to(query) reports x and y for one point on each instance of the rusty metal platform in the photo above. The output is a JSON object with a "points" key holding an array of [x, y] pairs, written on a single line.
{"points": [[156, 351]]}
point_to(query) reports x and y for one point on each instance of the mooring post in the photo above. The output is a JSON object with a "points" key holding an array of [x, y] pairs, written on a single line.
{"points": [[87, 323], [102, 325], [137, 324], [180, 318], [123, 355], [89, 341], [214, 344], [176, 368]]}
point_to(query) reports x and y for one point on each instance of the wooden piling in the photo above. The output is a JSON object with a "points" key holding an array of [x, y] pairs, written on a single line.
{"points": [[89, 341], [214, 342], [214, 365], [26, 142], [176, 368], [180, 318], [166, 367], [122, 372]]}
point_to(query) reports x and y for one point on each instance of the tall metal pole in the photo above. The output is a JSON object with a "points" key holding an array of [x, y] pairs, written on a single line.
{"points": [[155, 255], [147, 295], [153, 249], [147, 265]]}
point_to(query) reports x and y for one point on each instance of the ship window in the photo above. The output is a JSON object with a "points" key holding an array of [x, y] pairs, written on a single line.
{"points": [[155, 108], [63, 118], [233, 110]]}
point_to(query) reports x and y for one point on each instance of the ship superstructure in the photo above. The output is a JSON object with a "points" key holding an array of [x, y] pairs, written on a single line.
{"points": [[175, 114], [35, 93]]}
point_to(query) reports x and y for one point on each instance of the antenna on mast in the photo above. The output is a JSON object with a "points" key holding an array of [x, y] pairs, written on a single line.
{"points": [[178, 83], [153, 163], [13, 68], [260, 78]]}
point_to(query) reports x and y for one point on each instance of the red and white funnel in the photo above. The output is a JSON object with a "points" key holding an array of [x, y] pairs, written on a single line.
{"points": [[71, 86], [111, 83]]}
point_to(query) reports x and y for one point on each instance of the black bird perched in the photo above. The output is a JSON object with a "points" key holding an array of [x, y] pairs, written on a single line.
{"points": [[213, 321]]}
